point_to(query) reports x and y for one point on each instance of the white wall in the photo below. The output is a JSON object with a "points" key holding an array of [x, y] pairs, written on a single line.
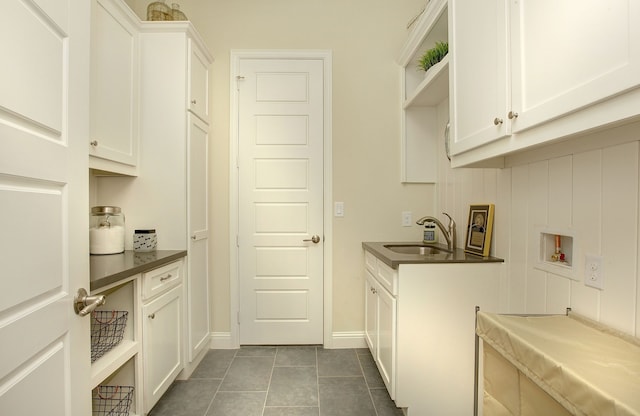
{"points": [[588, 185]]}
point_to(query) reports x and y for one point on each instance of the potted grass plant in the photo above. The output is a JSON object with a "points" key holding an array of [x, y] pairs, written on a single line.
{"points": [[433, 56]]}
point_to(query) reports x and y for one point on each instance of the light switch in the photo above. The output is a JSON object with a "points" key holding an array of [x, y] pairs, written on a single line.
{"points": [[338, 209], [407, 219]]}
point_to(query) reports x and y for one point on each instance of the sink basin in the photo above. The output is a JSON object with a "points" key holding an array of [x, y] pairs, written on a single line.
{"points": [[420, 249]]}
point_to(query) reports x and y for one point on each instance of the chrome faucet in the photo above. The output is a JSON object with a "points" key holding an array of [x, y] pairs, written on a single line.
{"points": [[449, 233]]}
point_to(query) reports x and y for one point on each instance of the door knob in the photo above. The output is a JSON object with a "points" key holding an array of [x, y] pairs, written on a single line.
{"points": [[315, 239], [83, 304]]}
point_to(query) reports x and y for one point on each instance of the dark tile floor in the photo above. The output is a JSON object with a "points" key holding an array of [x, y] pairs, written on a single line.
{"points": [[281, 381]]}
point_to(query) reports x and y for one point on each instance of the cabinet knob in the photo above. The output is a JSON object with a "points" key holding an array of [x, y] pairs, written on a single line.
{"points": [[94, 143], [512, 115], [152, 316], [193, 102], [497, 121]]}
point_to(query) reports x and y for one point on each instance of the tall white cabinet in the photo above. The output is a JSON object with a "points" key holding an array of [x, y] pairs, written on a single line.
{"points": [[170, 194]]}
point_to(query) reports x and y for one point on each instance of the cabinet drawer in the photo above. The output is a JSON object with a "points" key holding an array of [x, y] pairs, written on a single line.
{"points": [[387, 277], [159, 280], [370, 262]]}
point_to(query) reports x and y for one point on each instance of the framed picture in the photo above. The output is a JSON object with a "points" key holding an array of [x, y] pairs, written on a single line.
{"points": [[479, 229]]}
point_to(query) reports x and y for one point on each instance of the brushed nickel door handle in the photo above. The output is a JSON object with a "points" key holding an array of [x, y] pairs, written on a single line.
{"points": [[315, 239]]}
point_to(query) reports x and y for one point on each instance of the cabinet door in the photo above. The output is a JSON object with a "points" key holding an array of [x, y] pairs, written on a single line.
{"points": [[479, 82], [198, 82], [571, 54], [386, 358], [161, 344], [197, 274], [371, 314], [114, 98]]}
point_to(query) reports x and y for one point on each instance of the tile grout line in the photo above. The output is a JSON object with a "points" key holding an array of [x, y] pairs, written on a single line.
{"points": [[220, 385], [273, 365], [318, 382], [366, 382]]}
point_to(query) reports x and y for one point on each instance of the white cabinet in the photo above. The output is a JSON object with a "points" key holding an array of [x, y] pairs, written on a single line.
{"points": [[480, 95], [198, 226], [198, 99], [171, 193], [380, 318], [174, 121], [113, 141], [420, 327], [162, 331], [422, 96], [527, 72]]}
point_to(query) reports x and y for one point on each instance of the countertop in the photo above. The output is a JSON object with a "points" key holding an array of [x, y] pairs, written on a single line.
{"points": [[393, 259], [111, 268]]}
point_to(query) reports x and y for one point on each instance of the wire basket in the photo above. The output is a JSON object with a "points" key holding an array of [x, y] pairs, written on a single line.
{"points": [[112, 400], [107, 330]]}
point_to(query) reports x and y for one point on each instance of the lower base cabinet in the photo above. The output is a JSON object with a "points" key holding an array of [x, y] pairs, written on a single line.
{"points": [[380, 331], [420, 327], [162, 333]]}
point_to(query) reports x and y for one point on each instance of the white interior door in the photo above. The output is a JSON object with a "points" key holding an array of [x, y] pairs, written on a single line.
{"points": [[44, 125], [280, 238]]}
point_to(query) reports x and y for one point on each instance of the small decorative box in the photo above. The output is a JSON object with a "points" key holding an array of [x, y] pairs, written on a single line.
{"points": [[145, 240]]}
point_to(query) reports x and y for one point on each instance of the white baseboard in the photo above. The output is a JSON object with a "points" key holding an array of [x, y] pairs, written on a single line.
{"points": [[350, 339], [222, 341]]}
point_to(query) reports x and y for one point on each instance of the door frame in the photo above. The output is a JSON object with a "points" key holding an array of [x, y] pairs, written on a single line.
{"points": [[234, 282]]}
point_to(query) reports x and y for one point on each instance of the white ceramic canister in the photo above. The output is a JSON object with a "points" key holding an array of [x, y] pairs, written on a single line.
{"points": [[106, 232]]}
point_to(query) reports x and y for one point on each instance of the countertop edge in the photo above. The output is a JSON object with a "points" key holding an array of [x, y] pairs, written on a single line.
{"points": [[394, 260], [99, 280]]}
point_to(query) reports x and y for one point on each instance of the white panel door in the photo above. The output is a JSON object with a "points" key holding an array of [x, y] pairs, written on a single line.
{"points": [[44, 123], [280, 201]]}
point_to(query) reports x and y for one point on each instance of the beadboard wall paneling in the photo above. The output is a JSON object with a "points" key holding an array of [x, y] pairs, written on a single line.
{"points": [[619, 235], [593, 193]]}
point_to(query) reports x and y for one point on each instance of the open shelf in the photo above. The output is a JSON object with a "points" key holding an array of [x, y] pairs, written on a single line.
{"points": [[112, 360], [433, 89]]}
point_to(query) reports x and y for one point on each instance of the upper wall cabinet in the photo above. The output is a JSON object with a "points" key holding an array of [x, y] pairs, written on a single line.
{"points": [[423, 92], [198, 83], [113, 142], [527, 72]]}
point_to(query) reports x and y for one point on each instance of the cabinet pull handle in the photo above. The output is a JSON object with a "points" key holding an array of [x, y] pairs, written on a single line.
{"points": [[497, 121], [512, 115], [94, 143], [152, 316], [167, 277]]}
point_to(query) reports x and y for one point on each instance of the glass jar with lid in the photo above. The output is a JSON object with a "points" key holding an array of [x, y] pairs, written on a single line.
{"points": [[106, 232]]}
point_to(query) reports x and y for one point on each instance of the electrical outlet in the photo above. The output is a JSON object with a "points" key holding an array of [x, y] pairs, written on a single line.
{"points": [[593, 272], [407, 219]]}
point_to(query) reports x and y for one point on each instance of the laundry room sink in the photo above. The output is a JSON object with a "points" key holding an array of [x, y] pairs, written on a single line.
{"points": [[421, 249]]}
